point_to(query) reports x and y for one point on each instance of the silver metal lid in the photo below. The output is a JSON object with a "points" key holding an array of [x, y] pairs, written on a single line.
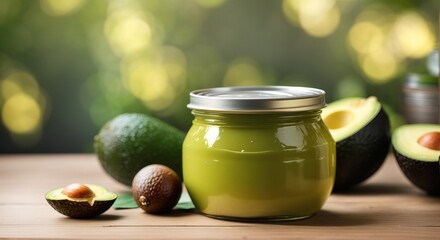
{"points": [[258, 99]]}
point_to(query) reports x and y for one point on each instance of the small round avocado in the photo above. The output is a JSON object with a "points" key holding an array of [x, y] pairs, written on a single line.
{"points": [[361, 129], [417, 151], [156, 188], [81, 200], [131, 141]]}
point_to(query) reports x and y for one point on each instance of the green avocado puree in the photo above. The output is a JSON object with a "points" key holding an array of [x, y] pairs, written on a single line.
{"points": [[259, 166]]}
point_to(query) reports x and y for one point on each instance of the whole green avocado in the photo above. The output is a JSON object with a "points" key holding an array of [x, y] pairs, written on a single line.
{"points": [[131, 141]]}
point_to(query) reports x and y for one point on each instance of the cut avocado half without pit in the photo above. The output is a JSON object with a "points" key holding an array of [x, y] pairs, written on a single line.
{"points": [[361, 129], [81, 200], [417, 151]]}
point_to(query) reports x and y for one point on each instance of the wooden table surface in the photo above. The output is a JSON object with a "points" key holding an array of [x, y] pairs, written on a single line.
{"points": [[385, 207]]}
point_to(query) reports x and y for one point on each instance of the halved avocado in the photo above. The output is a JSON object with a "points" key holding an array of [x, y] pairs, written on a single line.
{"points": [[96, 201], [417, 156], [361, 129]]}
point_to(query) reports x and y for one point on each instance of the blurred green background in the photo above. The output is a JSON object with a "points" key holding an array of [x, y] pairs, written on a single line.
{"points": [[68, 66]]}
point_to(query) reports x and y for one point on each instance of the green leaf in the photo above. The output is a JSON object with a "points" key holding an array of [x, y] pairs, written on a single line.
{"points": [[126, 201], [184, 202]]}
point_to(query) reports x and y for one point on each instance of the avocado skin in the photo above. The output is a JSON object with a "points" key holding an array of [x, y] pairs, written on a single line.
{"points": [[424, 175], [355, 160], [80, 209], [122, 154]]}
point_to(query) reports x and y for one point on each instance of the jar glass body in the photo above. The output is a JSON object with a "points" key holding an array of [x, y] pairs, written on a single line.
{"points": [[273, 166]]}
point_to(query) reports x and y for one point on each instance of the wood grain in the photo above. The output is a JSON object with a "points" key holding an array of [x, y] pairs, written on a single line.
{"points": [[385, 207]]}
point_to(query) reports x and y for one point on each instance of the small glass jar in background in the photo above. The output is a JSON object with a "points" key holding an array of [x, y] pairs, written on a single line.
{"points": [[258, 153], [420, 94]]}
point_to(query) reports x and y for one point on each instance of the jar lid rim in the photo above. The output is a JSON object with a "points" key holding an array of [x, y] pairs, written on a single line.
{"points": [[258, 99]]}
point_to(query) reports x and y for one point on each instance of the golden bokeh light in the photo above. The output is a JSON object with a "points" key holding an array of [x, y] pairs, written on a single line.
{"points": [[243, 72], [128, 32], [413, 35], [24, 103], [60, 7], [376, 56], [147, 80], [151, 80], [319, 18], [380, 66], [151, 72], [365, 37], [163, 102], [174, 61], [290, 10], [9, 88], [382, 42], [19, 81], [21, 114]]}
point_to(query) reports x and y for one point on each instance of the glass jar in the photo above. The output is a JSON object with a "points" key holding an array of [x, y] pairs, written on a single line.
{"points": [[420, 98], [258, 153]]}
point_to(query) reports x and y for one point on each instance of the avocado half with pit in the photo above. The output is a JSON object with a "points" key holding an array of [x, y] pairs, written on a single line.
{"points": [[417, 151], [81, 200], [361, 129]]}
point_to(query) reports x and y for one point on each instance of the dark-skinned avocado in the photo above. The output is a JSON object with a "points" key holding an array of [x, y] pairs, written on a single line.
{"points": [[417, 151], [361, 129], [81, 200], [156, 188], [131, 141]]}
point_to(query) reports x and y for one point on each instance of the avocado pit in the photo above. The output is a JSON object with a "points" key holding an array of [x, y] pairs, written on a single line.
{"points": [[76, 190], [430, 140]]}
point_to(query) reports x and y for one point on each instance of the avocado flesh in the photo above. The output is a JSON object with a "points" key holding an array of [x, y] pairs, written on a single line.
{"points": [[348, 116], [361, 130], [405, 142], [419, 164], [82, 207]]}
